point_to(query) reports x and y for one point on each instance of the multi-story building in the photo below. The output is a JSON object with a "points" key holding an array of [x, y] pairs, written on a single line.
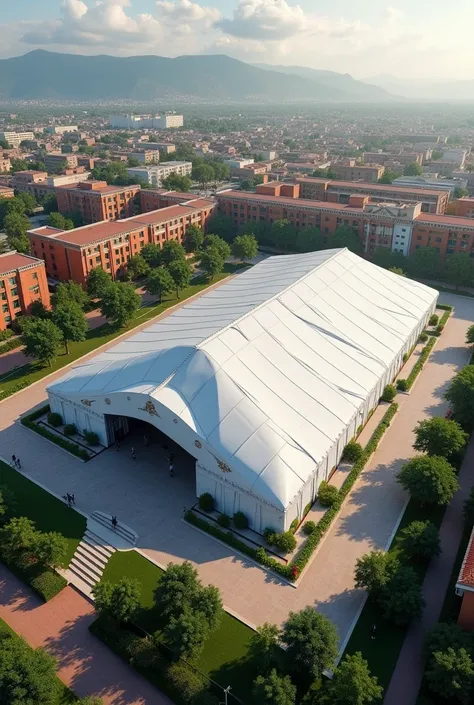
{"points": [[165, 147], [356, 172], [141, 122], [423, 182], [402, 158], [22, 281], [167, 121], [147, 156], [154, 174], [464, 207], [447, 233], [97, 201], [238, 163], [5, 163], [60, 161], [301, 167], [38, 183], [153, 199], [62, 129], [14, 139], [6, 192], [340, 191], [74, 253]]}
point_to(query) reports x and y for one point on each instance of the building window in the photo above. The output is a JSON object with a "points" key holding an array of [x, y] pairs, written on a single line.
{"points": [[55, 267], [5, 308], [16, 303], [12, 281], [35, 276], [438, 239], [97, 259], [418, 237]]}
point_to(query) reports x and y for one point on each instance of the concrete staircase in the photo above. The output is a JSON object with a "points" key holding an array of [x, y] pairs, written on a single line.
{"points": [[124, 534], [89, 561]]}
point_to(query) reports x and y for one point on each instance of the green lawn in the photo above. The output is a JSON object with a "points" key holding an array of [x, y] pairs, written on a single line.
{"points": [[49, 513], [33, 371], [65, 695], [382, 652], [224, 658]]}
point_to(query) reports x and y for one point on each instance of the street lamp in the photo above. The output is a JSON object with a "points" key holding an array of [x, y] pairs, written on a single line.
{"points": [[226, 693]]}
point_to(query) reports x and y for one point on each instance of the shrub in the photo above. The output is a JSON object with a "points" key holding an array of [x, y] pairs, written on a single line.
{"points": [[402, 385], [48, 583], [434, 320], [294, 525], [241, 521], [187, 682], [404, 358], [327, 494], [352, 452], [421, 540], [143, 652], [5, 334], [54, 419], [269, 534], [70, 429], [11, 345], [224, 520], [13, 390], [205, 698], [389, 393], [206, 502], [53, 437], [439, 329], [91, 438], [423, 337], [285, 541], [309, 527]]}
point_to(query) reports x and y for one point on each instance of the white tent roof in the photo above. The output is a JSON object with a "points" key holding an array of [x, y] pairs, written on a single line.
{"points": [[269, 368]]}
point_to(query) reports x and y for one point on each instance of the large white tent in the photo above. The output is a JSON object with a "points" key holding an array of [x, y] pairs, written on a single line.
{"points": [[263, 380]]}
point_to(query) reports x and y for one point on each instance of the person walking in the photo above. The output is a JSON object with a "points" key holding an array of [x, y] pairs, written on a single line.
{"points": [[133, 453], [171, 457], [114, 523], [68, 499], [171, 469], [14, 460], [18, 464], [73, 499], [373, 631]]}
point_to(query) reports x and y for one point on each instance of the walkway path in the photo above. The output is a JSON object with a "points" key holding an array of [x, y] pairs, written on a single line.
{"points": [[62, 627], [150, 502], [408, 673]]}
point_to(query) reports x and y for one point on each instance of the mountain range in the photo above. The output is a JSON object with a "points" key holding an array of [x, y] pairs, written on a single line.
{"points": [[45, 75], [422, 89]]}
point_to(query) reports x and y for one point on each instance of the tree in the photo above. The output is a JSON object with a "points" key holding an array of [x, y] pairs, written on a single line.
{"points": [[374, 570], [181, 274], [38, 310], [180, 583], [274, 689], [7, 503], [50, 548], [203, 174], [445, 635], [263, 647], [283, 234], [137, 266], [470, 335], [50, 203], [211, 262], [186, 632], [57, 220], [429, 479], [18, 534], [222, 225], [194, 238], [436, 154], [171, 251], [309, 240], [132, 162], [27, 676], [16, 225], [352, 683], [344, 236], [98, 281], [72, 323], [397, 270], [159, 282], [245, 247], [384, 257], [439, 436], [69, 292], [42, 340], [120, 600], [401, 599], [458, 268], [219, 243], [175, 182], [311, 640], [461, 396], [413, 169], [450, 674], [29, 202], [119, 303], [420, 539], [460, 192], [388, 176], [151, 253], [424, 262]]}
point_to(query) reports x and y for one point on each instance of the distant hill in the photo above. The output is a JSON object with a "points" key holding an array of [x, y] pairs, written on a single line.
{"points": [[419, 89], [215, 78], [47, 75], [356, 90]]}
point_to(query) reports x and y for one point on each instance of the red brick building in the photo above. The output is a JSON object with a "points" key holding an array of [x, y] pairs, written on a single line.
{"points": [[464, 207], [22, 281], [358, 172], [447, 233], [340, 191], [465, 588], [72, 254], [152, 199], [96, 201]]}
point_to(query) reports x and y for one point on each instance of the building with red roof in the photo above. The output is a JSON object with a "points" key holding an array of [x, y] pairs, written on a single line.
{"points": [[22, 281]]}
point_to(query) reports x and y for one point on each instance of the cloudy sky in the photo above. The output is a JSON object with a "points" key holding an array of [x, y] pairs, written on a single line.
{"points": [[408, 38]]}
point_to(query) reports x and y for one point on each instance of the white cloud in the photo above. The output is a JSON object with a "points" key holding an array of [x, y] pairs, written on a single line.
{"points": [[264, 19], [185, 11], [393, 14]]}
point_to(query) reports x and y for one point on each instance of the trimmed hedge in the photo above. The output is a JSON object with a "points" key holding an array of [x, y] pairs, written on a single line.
{"points": [[43, 579], [11, 345], [13, 390], [71, 447], [292, 570], [91, 437], [54, 419], [206, 502], [7, 333], [418, 366]]}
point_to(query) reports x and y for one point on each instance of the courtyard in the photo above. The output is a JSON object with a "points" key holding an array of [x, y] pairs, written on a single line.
{"points": [[142, 494]]}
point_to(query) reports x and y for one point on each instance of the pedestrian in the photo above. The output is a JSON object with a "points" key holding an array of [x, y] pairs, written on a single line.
{"points": [[171, 470], [373, 631], [18, 464], [73, 499], [68, 499], [14, 460], [133, 453], [117, 446], [114, 523], [145, 441]]}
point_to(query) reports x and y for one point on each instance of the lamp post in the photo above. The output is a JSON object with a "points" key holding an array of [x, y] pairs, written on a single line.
{"points": [[226, 693]]}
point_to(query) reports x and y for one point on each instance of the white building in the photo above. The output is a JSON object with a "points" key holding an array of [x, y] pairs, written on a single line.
{"points": [[62, 129], [263, 380], [14, 139], [238, 163], [143, 122], [268, 155], [432, 184], [154, 174], [167, 121]]}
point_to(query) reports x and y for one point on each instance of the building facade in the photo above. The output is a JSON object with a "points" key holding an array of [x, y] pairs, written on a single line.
{"points": [[97, 201], [155, 174], [153, 199], [14, 139], [357, 172], [61, 162], [22, 281]]}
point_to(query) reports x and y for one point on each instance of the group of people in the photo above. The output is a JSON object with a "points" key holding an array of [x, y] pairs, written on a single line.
{"points": [[70, 499], [170, 456], [16, 462]]}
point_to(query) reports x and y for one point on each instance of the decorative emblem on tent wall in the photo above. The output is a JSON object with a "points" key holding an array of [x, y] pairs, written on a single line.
{"points": [[150, 409], [87, 402], [107, 401], [198, 444], [223, 466]]}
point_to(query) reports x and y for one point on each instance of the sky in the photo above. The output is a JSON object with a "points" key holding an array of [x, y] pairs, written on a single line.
{"points": [[410, 39]]}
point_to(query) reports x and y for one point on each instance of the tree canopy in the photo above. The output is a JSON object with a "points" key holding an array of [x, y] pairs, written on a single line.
{"points": [[212, 262], [42, 340], [420, 539], [344, 236], [69, 318], [193, 239], [180, 271], [439, 436], [274, 689], [120, 600], [429, 479], [352, 683], [458, 269], [57, 220], [98, 282], [27, 676], [311, 640], [450, 674], [245, 247], [70, 292], [159, 282], [119, 303], [460, 394]]}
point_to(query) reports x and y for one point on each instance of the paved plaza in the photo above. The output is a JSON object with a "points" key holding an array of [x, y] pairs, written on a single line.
{"points": [[143, 495]]}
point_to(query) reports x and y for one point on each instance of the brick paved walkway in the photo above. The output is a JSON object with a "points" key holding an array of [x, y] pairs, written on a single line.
{"points": [[61, 626], [408, 673]]}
